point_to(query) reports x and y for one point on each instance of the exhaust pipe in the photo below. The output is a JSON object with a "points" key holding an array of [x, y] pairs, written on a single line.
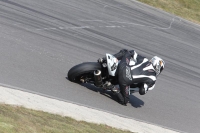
{"points": [[97, 78]]}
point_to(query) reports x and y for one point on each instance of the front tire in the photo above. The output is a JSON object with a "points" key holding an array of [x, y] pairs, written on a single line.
{"points": [[86, 68]]}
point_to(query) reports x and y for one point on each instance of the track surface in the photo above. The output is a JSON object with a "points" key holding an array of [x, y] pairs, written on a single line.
{"points": [[41, 40]]}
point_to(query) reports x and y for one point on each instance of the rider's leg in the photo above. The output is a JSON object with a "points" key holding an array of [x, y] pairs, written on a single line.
{"points": [[117, 93], [122, 94], [125, 93], [124, 77]]}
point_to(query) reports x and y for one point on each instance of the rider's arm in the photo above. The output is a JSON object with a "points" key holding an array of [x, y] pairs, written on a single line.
{"points": [[146, 87], [137, 58], [143, 89], [134, 55]]}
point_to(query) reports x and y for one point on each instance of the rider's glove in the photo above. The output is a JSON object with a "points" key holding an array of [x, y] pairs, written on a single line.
{"points": [[100, 60], [143, 89]]}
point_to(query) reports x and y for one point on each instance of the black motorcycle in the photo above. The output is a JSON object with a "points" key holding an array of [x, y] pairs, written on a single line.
{"points": [[101, 75]]}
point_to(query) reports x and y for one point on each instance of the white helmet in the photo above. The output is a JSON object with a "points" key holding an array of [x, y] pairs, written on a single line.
{"points": [[158, 64]]}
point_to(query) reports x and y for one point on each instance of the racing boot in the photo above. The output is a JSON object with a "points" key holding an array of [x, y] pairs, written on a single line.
{"points": [[116, 92]]}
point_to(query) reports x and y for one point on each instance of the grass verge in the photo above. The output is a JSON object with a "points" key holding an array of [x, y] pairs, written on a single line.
{"points": [[21, 120], [188, 9]]}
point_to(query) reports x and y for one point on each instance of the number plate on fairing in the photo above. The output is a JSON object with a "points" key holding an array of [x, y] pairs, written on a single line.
{"points": [[112, 63]]}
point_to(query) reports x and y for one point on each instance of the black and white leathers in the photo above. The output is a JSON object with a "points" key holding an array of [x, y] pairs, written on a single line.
{"points": [[134, 71], [143, 73]]}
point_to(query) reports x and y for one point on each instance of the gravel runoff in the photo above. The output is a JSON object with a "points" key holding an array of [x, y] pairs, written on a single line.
{"points": [[37, 102]]}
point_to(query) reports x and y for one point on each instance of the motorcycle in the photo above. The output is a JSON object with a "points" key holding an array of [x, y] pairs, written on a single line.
{"points": [[101, 75]]}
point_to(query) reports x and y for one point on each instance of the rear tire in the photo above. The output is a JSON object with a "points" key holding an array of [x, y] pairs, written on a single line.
{"points": [[75, 72]]}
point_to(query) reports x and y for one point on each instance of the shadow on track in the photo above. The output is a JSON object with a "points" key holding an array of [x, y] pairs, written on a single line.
{"points": [[134, 101]]}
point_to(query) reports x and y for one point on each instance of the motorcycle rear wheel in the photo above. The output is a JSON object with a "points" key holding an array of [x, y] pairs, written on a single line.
{"points": [[84, 69]]}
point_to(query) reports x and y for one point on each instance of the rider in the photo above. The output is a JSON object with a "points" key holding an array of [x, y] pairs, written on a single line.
{"points": [[135, 71]]}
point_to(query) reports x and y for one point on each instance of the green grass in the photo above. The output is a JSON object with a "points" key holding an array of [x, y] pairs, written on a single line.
{"points": [[22, 120], [188, 9]]}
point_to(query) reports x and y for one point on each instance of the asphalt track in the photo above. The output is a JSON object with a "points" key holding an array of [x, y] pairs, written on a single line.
{"points": [[41, 40]]}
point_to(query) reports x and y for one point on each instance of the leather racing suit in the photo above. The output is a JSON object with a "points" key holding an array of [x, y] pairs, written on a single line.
{"points": [[133, 71]]}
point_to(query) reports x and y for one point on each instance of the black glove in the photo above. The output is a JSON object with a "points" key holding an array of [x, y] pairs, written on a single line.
{"points": [[101, 60], [142, 91]]}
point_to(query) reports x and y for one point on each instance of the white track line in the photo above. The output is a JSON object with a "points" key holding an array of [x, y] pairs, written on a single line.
{"points": [[125, 24]]}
